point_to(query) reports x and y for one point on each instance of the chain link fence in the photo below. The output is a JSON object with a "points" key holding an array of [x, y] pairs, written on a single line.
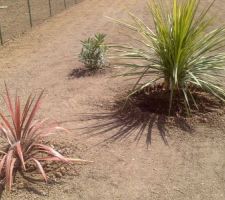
{"points": [[17, 16]]}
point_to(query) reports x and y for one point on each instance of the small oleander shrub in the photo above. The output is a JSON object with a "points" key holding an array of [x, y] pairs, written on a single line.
{"points": [[25, 139], [93, 53]]}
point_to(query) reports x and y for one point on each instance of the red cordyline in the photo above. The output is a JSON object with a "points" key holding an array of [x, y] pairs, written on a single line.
{"points": [[24, 137]]}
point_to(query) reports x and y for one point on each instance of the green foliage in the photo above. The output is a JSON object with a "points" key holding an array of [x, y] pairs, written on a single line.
{"points": [[179, 52], [93, 52], [24, 139]]}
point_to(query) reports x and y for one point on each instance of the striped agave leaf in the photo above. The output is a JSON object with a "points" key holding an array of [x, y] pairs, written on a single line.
{"points": [[179, 51]]}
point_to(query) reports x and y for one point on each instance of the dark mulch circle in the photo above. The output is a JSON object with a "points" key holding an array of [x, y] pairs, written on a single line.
{"points": [[156, 99]]}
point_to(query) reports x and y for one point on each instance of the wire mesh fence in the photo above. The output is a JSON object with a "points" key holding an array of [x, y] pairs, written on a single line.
{"points": [[17, 16]]}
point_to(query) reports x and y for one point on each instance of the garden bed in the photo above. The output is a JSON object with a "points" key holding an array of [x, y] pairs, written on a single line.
{"points": [[133, 160]]}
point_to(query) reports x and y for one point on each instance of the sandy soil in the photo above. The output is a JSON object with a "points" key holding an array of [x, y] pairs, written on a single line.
{"points": [[190, 167], [14, 19]]}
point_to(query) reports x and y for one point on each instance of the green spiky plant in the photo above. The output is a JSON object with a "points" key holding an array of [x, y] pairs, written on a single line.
{"points": [[93, 53], [180, 52], [25, 139]]}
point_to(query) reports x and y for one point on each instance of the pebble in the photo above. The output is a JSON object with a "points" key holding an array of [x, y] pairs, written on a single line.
{"points": [[58, 175]]}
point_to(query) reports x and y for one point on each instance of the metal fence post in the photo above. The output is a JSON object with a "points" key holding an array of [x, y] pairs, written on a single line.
{"points": [[30, 15], [65, 4], [1, 39], [50, 7]]}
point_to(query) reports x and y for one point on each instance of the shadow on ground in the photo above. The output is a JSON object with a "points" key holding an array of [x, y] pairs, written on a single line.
{"points": [[81, 73], [85, 72], [119, 125], [138, 115]]}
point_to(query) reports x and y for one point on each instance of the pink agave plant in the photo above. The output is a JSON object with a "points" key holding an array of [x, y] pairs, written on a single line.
{"points": [[24, 137]]}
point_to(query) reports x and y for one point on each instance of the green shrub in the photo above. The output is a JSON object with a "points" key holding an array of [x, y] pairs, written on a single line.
{"points": [[180, 52], [93, 52]]}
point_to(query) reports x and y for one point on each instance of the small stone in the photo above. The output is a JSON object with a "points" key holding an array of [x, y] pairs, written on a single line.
{"points": [[20, 185], [44, 193], [204, 120], [58, 175], [63, 170]]}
